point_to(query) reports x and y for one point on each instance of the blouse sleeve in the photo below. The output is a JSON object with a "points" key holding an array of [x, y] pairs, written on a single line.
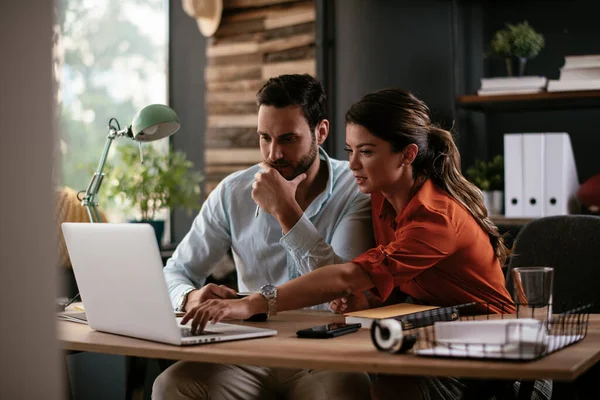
{"points": [[419, 244]]}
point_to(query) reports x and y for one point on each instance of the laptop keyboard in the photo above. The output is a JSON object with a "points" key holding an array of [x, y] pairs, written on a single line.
{"points": [[187, 332]]}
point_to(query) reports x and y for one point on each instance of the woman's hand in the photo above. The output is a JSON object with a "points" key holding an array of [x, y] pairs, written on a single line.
{"points": [[216, 310], [354, 302]]}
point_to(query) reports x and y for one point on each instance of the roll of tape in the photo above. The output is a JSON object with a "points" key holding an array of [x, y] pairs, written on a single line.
{"points": [[387, 334]]}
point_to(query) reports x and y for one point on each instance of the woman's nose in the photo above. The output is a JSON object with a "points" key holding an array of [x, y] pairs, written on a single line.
{"points": [[354, 163]]}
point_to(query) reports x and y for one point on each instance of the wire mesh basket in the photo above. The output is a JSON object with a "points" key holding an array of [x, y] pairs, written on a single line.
{"points": [[482, 331]]}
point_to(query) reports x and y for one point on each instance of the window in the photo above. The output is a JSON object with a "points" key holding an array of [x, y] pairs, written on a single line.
{"points": [[110, 61]]}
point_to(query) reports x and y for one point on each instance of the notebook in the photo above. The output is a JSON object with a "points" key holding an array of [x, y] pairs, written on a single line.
{"points": [[366, 317]]}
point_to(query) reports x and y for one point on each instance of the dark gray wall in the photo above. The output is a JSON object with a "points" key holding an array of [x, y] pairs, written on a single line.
{"points": [[381, 43], [187, 58], [325, 60]]}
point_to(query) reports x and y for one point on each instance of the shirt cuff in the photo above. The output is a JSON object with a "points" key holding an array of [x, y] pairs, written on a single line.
{"points": [[373, 262], [302, 237]]}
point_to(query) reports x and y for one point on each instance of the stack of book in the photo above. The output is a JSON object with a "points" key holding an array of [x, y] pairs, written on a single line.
{"points": [[512, 85], [578, 73]]}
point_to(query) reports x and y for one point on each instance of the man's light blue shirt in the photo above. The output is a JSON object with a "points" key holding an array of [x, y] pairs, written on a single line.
{"points": [[335, 228]]}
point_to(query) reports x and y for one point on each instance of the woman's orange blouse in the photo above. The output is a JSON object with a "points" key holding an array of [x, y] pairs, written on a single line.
{"points": [[435, 252]]}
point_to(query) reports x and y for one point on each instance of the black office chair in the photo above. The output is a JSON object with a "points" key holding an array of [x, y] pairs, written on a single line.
{"points": [[571, 245]]}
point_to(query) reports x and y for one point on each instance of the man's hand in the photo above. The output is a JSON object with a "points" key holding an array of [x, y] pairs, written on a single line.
{"points": [[354, 302], [274, 194], [210, 291], [215, 311]]}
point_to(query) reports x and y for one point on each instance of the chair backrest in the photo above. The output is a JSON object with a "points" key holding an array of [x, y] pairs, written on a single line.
{"points": [[571, 245]]}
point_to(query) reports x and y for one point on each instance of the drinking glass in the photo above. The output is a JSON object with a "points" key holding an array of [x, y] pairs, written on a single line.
{"points": [[533, 292]]}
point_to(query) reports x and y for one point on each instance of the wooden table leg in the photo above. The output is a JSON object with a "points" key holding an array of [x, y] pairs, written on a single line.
{"points": [[136, 377]]}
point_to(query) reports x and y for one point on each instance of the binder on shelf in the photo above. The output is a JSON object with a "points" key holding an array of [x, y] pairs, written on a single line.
{"points": [[533, 175], [513, 175], [540, 175], [560, 175]]}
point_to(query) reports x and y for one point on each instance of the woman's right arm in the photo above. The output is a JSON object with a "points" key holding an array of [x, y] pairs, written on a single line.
{"points": [[322, 285]]}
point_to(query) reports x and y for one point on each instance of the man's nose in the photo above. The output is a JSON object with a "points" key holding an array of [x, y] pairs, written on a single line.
{"points": [[275, 152]]}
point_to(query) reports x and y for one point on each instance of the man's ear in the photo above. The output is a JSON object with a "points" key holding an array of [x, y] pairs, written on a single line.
{"points": [[409, 154], [322, 131]]}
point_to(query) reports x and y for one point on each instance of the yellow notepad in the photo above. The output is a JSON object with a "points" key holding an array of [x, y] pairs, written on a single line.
{"points": [[366, 317]]}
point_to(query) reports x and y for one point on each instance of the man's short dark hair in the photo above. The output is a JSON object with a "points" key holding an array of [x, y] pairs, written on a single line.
{"points": [[296, 90]]}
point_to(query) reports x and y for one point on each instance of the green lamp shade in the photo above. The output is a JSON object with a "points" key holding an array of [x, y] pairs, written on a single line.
{"points": [[154, 122]]}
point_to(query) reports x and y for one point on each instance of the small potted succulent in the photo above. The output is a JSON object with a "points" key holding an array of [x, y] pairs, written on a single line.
{"points": [[517, 44], [489, 178]]}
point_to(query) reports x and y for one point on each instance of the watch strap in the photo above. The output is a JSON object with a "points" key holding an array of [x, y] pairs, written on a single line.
{"points": [[183, 299], [269, 292]]}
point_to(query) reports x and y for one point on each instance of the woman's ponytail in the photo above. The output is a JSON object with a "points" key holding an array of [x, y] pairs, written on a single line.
{"points": [[445, 172]]}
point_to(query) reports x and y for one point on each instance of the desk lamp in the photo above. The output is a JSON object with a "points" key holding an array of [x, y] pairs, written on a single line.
{"points": [[153, 122]]}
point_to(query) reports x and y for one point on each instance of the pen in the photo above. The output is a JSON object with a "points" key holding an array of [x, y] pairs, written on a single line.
{"points": [[74, 297], [257, 210]]}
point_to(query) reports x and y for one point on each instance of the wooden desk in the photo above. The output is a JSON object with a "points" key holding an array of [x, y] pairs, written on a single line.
{"points": [[353, 352]]}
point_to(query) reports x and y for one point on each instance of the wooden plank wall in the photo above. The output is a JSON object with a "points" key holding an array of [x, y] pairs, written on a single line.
{"points": [[257, 39]]}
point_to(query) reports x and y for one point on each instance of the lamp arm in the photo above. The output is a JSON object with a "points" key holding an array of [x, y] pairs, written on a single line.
{"points": [[89, 199]]}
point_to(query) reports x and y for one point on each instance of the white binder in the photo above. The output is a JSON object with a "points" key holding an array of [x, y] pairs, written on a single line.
{"points": [[513, 175], [561, 181], [533, 175]]}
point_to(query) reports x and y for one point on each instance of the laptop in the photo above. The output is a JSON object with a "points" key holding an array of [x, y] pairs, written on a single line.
{"points": [[118, 270]]}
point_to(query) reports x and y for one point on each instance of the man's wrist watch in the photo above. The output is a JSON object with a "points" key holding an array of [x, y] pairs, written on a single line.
{"points": [[183, 299], [269, 292]]}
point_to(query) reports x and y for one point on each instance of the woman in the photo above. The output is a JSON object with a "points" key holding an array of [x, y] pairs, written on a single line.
{"points": [[435, 242]]}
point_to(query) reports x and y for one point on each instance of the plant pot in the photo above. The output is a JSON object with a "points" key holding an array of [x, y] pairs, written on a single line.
{"points": [[494, 202], [158, 225], [515, 66]]}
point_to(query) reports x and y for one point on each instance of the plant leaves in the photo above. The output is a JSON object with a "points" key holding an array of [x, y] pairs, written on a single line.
{"points": [[164, 180]]}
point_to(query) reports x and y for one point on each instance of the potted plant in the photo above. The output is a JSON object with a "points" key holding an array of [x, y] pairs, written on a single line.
{"points": [[517, 44], [489, 178], [163, 180]]}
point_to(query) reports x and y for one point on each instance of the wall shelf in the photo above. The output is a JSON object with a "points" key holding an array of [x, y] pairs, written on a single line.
{"points": [[534, 101]]}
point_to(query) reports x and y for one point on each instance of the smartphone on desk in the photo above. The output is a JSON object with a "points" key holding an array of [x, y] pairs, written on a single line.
{"points": [[328, 331]]}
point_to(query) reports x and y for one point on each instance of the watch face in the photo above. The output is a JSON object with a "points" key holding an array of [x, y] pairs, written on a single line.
{"points": [[268, 290]]}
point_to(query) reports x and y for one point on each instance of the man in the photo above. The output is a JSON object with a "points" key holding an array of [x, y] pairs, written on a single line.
{"points": [[310, 214]]}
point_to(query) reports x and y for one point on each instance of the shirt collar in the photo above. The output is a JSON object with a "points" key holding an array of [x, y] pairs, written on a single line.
{"points": [[388, 213]]}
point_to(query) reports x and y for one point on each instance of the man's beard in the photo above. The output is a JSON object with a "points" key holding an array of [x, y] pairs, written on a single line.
{"points": [[303, 165]]}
